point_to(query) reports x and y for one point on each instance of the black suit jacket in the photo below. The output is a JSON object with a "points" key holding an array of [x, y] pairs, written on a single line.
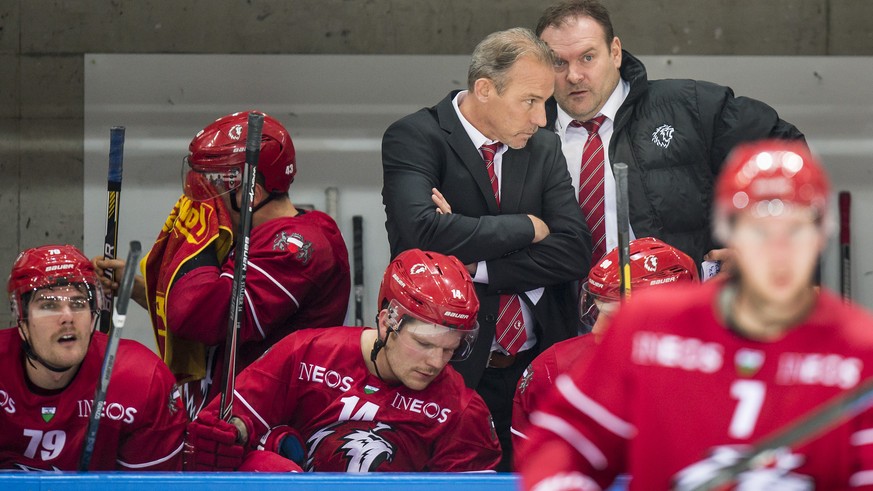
{"points": [[430, 148]]}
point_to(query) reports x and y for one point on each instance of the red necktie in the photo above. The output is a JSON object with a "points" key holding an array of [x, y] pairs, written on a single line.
{"points": [[591, 185], [509, 330]]}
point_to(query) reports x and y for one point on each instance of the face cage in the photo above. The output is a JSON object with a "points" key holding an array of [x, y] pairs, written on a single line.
{"points": [[205, 184], [588, 310], [397, 314], [20, 300]]}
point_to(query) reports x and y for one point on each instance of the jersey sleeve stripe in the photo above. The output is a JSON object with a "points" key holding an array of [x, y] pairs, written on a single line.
{"points": [[254, 315], [279, 285], [862, 437], [594, 410], [517, 433], [251, 409], [861, 478], [154, 462], [571, 435]]}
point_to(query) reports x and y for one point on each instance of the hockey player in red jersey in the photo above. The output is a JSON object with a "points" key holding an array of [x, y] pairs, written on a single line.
{"points": [[353, 399], [51, 365], [298, 268], [653, 263], [687, 379]]}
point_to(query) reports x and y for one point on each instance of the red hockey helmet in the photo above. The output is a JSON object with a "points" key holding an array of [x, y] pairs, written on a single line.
{"points": [[217, 153], [652, 263], [766, 178], [51, 266], [434, 289]]}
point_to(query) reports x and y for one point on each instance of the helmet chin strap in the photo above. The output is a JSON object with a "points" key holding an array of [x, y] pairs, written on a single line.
{"points": [[377, 346], [235, 206], [33, 357]]}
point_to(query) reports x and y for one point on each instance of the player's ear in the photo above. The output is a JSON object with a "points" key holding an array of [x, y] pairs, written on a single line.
{"points": [[382, 323], [21, 327], [260, 195]]}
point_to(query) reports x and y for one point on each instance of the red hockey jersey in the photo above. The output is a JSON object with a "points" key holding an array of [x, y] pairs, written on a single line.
{"points": [[298, 277], [316, 381], [538, 379], [671, 395], [143, 422]]}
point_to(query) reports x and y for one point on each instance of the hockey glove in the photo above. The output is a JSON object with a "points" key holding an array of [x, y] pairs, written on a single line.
{"points": [[214, 444], [285, 441]]}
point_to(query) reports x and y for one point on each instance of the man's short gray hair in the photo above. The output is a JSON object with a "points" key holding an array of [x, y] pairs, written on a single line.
{"points": [[498, 52]]}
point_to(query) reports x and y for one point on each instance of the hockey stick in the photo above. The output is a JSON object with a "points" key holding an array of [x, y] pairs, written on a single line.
{"points": [[623, 221], [110, 244], [845, 245], [253, 150], [331, 203], [831, 413], [358, 232], [109, 358]]}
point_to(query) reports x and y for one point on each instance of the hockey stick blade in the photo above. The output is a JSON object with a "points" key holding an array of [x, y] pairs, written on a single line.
{"points": [[253, 150], [118, 319], [113, 202]]}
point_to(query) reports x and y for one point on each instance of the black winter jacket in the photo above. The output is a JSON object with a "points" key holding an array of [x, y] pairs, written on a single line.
{"points": [[674, 136]]}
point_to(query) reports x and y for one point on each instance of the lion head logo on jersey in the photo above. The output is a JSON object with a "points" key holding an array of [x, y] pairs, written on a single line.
{"points": [[360, 444]]}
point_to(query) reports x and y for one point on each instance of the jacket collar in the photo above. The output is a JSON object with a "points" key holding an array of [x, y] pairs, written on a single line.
{"points": [[632, 70], [514, 168]]}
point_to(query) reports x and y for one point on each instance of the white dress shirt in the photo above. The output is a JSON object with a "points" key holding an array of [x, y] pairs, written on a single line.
{"points": [[573, 142], [481, 276]]}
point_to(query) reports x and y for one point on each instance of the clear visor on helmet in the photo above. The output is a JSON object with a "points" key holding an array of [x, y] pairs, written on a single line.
{"points": [[592, 306], [78, 299], [429, 339], [201, 184]]}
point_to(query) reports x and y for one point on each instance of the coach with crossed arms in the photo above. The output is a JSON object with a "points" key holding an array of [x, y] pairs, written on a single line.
{"points": [[505, 208]]}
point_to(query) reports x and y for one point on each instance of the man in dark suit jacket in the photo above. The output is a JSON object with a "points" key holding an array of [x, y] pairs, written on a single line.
{"points": [[531, 239]]}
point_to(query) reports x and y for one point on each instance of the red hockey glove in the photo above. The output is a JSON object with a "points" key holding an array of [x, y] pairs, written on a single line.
{"points": [[214, 444]]}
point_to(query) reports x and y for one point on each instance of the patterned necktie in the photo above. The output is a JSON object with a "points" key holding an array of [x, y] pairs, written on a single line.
{"points": [[488, 153], [591, 185], [509, 331]]}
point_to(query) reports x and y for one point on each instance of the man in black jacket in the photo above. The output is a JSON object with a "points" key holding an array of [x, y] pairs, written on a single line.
{"points": [[507, 209], [672, 134]]}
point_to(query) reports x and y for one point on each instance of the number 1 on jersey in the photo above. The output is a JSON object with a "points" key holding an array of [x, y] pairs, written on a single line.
{"points": [[750, 394]]}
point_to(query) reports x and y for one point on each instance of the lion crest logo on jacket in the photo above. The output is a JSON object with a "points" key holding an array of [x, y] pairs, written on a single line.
{"points": [[663, 135]]}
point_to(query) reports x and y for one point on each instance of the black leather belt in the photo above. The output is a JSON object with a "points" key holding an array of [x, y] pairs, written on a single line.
{"points": [[500, 360]]}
